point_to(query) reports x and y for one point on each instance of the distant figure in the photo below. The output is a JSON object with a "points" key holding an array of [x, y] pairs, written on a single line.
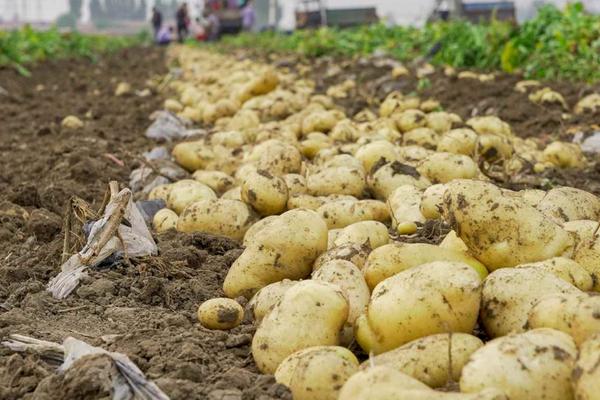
{"points": [[248, 15], [156, 20], [213, 25], [444, 10], [164, 35], [197, 30], [183, 21]]}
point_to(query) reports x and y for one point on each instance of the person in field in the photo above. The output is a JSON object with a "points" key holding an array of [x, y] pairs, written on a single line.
{"points": [[164, 35], [248, 15], [183, 20], [157, 19]]}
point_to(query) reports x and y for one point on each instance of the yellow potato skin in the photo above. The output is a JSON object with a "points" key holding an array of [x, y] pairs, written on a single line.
{"points": [[586, 377], [231, 218], [164, 220], [220, 313]]}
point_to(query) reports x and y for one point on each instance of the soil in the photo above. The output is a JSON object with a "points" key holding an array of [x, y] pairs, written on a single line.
{"points": [[148, 310]]}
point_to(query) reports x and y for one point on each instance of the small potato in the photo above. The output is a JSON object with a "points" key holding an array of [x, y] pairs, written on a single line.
{"points": [[267, 298], [437, 297], [164, 220], [439, 121], [341, 213], [404, 204], [311, 147], [388, 177], [295, 183], [444, 167], [432, 201], [370, 233], [569, 204], [317, 373], [355, 253], [534, 365], [231, 218], [337, 180], [412, 155], [509, 294], [565, 155], [266, 193], [344, 131], [319, 121], [372, 153], [490, 125], [434, 360], [160, 192], [424, 137], [310, 313], [458, 141], [393, 258], [586, 376], [186, 192], [218, 181], [410, 119], [220, 313], [304, 201], [566, 269]]}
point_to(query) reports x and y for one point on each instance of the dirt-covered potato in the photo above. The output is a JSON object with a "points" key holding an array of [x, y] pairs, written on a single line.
{"points": [[372, 153], [320, 121], [218, 181], [509, 294], [370, 233], [389, 260], [528, 366], [432, 201], [587, 254], [295, 183], [266, 193], [569, 204], [231, 218], [583, 229], [220, 313], [439, 121], [566, 269], [434, 360], [186, 192], [564, 155], [284, 248], [337, 180], [404, 204], [424, 137], [458, 141], [317, 373], [410, 119], [164, 220], [437, 297], [310, 313], [388, 177], [493, 148], [344, 131], [490, 125], [278, 158], [231, 139], [355, 253], [235, 193], [341, 213], [305, 201], [267, 298], [586, 375], [453, 242], [160, 192], [444, 167], [501, 230]]}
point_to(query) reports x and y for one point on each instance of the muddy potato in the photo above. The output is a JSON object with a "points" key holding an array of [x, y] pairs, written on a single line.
{"points": [[235, 193], [310, 313], [589, 103], [337, 180], [432, 201], [341, 213], [586, 375], [257, 227], [317, 373], [424, 137], [388, 177], [434, 360], [342, 160], [232, 139], [412, 155], [319, 121], [438, 297], [444, 167], [284, 248], [192, 155], [218, 181], [565, 155], [566, 269], [164, 220], [280, 159], [295, 183], [355, 253], [509, 294], [494, 148], [393, 258], [587, 254], [304, 201], [501, 230], [372, 153], [267, 298], [490, 125], [439, 121], [344, 131], [566, 204], [186, 192], [528, 366], [160, 192], [410, 119], [220, 313], [583, 229], [458, 141], [370, 233], [266, 193]]}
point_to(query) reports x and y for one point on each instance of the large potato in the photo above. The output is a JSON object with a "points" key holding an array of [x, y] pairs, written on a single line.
{"points": [[231, 218], [528, 366], [372, 153], [266, 193], [186, 192], [458, 141], [424, 137], [565, 155], [337, 180], [584, 229], [432, 298], [501, 230], [566, 269], [267, 298], [160, 192], [509, 294], [355, 253], [310, 314], [370, 233], [569, 204], [388, 177], [279, 158], [434, 360], [439, 121], [218, 181], [341, 213], [586, 375], [317, 373], [388, 260], [410, 119], [192, 155], [444, 167], [284, 248]]}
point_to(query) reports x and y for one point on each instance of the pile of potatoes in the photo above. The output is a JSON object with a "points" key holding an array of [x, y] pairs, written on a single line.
{"points": [[503, 308]]}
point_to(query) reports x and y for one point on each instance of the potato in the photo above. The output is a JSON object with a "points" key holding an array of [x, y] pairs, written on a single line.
{"points": [[453, 242], [404, 204], [566, 269], [509, 294], [160, 192], [370, 233], [280, 158], [222, 108], [412, 155], [444, 167], [494, 148], [336, 180], [583, 229], [432, 201], [569, 204], [587, 254], [355, 253], [164, 220], [441, 296], [388, 177], [267, 298], [393, 258], [235, 193], [220, 313], [590, 103], [186, 192], [527, 366], [585, 376], [532, 197], [341, 213], [192, 155], [565, 155], [264, 83], [344, 131], [490, 125], [310, 147], [266, 193], [218, 181], [319, 121], [501, 231], [284, 248], [173, 105], [310, 313], [458, 141], [295, 183], [317, 373], [305, 201], [439, 121], [434, 360], [232, 139], [424, 137], [257, 227], [372, 153], [410, 119], [343, 160]]}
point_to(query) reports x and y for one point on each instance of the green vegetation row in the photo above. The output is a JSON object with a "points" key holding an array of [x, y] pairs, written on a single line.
{"points": [[554, 45], [26, 45]]}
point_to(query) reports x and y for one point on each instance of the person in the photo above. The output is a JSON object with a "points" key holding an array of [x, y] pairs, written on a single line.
{"points": [[197, 30], [164, 35], [183, 20], [156, 20], [248, 15], [213, 25]]}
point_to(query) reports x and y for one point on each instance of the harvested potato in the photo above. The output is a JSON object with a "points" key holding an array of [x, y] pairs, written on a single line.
{"points": [[344, 131], [317, 373], [218, 181], [173, 105], [453, 242], [434, 360], [444, 167], [341, 213], [532, 197], [509, 294], [279, 158], [266, 193], [160, 192], [432, 201], [164, 220], [587, 254], [424, 137], [490, 125], [393, 258], [583, 229], [355, 253], [256, 227], [566, 204], [370, 233], [192, 155], [412, 155], [566, 269], [585, 374], [589, 103], [310, 313], [319, 121], [410, 119], [501, 231], [388, 177], [564, 155], [439, 121], [186, 192], [295, 183], [372, 153], [267, 298], [284, 248], [404, 204], [533, 365], [305, 201], [220, 313], [458, 141], [337, 180], [233, 139], [437, 297], [493, 148], [72, 122], [235, 193]]}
